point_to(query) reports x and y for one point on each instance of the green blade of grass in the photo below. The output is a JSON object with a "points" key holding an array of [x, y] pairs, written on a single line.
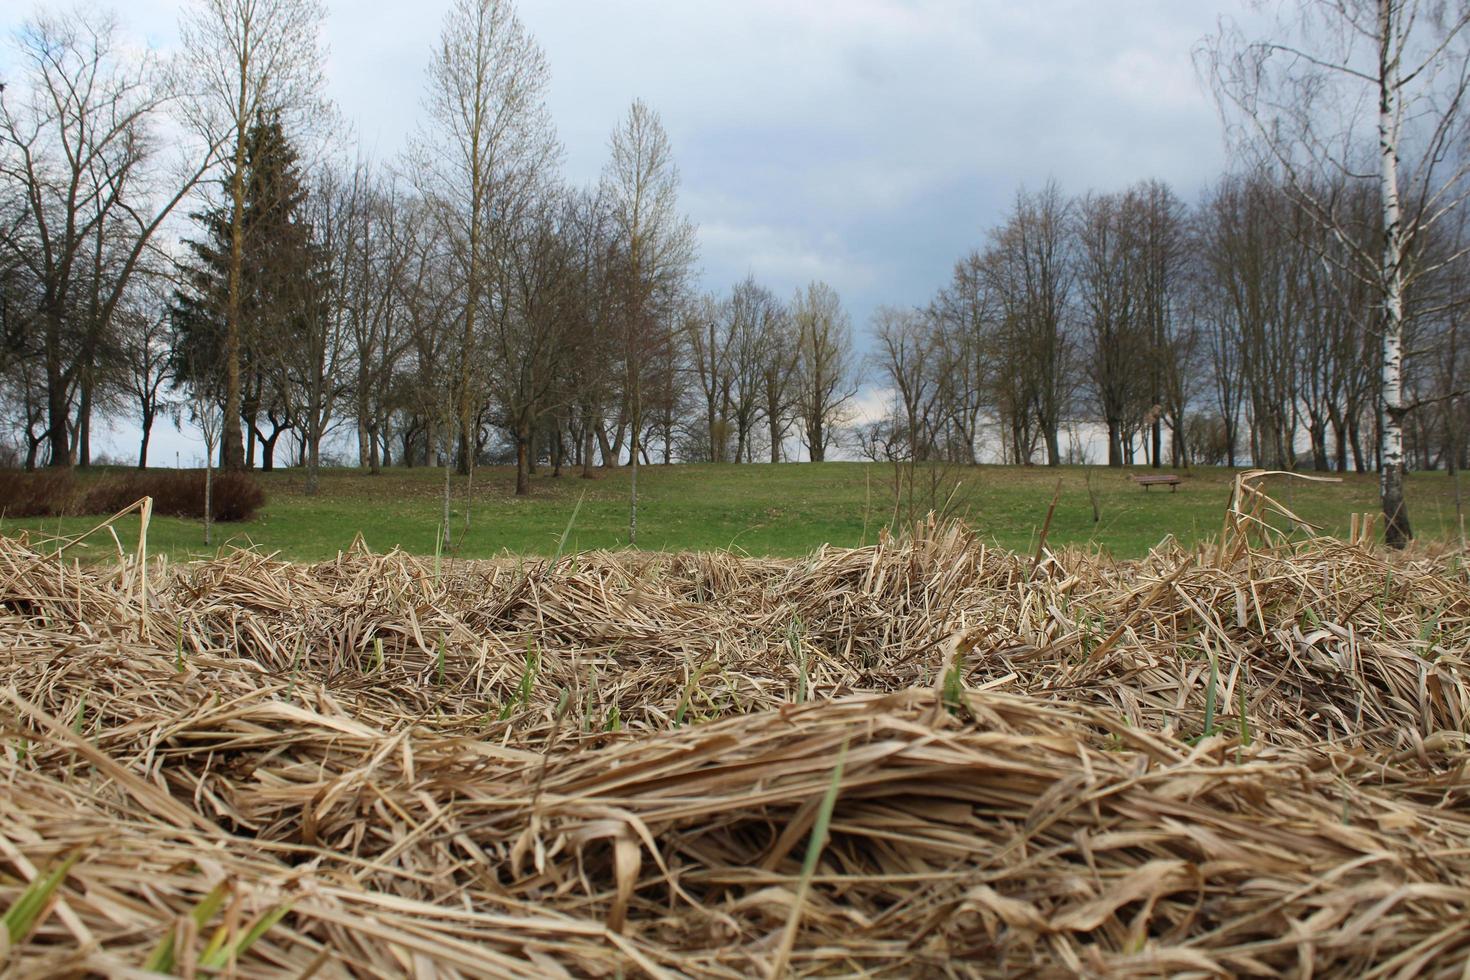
{"points": [[814, 848], [1210, 696], [25, 912], [224, 955], [162, 959], [688, 694], [561, 545]]}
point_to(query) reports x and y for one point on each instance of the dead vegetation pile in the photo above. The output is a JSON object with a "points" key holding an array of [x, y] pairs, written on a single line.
{"points": [[924, 756]]}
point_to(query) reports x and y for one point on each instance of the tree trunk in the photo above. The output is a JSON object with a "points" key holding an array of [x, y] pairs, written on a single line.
{"points": [[465, 452], [448, 461], [1115, 443], [84, 425], [232, 444], [523, 461], [143, 443], [633, 494], [1396, 529], [57, 432], [609, 458], [1355, 439], [587, 436], [313, 464]]}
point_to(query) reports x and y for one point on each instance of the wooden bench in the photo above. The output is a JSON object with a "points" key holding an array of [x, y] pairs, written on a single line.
{"points": [[1161, 480]]}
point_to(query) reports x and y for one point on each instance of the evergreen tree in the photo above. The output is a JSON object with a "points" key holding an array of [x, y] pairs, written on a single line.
{"points": [[279, 261]]}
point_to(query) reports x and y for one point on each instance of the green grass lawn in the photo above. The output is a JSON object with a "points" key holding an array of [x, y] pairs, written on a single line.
{"points": [[787, 510]]}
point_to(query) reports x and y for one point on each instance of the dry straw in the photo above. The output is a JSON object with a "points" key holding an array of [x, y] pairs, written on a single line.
{"points": [[1244, 759]]}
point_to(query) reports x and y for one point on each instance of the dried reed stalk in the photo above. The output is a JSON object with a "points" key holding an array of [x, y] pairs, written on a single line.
{"points": [[1247, 759]]}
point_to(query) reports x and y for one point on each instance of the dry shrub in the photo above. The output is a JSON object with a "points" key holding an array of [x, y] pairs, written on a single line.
{"points": [[1240, 760], [49, 492], [177, 493]]}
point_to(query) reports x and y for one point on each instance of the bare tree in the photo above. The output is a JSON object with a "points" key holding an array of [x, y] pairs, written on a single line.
{"points": [[1156, 228], [316, 369], [1334, 86], [146, 364], [750, 313], [78, 141], [904, 361], [656, 246], [779, 353], [483, 161], [1031, 265], [243, 61], [706, 332], [1108, 286], [375, 251], [966, 318], [528, 340], [590, 365], [825, 371]]}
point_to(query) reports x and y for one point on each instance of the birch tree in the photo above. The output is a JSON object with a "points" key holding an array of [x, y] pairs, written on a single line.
{"points": [[244, 61], [1368, 91]]}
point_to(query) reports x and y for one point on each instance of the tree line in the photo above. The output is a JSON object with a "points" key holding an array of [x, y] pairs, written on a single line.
{"points": [[461, 303], [194, 237], [1133, 328]]}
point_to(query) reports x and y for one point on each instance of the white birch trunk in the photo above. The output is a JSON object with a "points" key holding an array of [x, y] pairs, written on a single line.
{"points": [[1396, 532]]}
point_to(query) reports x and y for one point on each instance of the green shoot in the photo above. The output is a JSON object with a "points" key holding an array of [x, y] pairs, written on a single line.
{"points": [[163, 956], [689, 690], [954, 686], [295, 669], [1210, 695], [25, 912], [1384, 597], [220, 954], [815, 845], [567, 533], [793, 639], [522, 697]]}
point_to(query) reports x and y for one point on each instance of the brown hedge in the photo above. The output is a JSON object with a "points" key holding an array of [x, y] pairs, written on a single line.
{"points": [[177, 493], [44, 493]]}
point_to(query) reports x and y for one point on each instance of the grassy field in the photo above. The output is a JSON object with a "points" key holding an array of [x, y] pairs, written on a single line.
{"points": [[763, 510]]}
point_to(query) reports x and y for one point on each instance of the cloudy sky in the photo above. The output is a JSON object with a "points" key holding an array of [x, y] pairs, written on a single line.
{"points": [[868, 143]]}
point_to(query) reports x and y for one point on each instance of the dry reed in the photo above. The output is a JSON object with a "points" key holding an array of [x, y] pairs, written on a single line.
{"points": [[1245, 759]]}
